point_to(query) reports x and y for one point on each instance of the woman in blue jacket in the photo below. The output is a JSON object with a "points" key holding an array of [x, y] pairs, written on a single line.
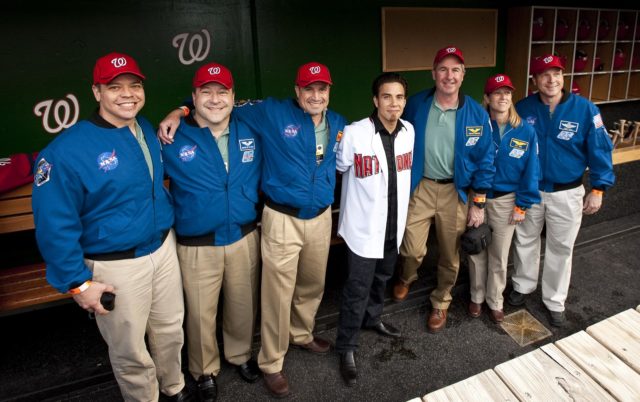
{"points": [[515, 188]]}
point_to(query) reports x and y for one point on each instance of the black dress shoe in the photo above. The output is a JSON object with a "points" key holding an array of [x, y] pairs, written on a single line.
{"points": [[249, 371], [348, 368], [385, 329], [184, 395], [207, 388]]}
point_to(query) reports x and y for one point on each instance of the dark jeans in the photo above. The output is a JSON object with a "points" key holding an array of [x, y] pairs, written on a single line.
{"points": [[363, 294]]}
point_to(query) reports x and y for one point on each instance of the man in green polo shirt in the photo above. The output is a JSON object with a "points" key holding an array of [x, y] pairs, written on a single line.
{"points": [[452, 165]]}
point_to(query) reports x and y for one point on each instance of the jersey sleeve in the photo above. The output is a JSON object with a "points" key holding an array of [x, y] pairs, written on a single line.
{"points": [[599, 149], [484, 153], [344, 154], [57, 201], [527, 192]]}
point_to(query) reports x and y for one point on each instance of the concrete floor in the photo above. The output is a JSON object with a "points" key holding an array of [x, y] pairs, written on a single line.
{"points": [[56, 354]]}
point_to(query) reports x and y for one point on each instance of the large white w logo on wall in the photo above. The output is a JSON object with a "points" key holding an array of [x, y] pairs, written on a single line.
{"points": [[63, 109], [197, 49]]}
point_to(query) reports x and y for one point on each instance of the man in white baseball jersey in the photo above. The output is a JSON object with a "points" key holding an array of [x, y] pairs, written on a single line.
{"points": [[375, 157]]}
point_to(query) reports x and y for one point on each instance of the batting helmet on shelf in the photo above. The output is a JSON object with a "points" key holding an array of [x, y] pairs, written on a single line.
{"points": [[623, 30], [575, 88], [581, 61], [538, 27], [619, 59], [584, 29], [598, 64], [562, 29], [603, 29]]}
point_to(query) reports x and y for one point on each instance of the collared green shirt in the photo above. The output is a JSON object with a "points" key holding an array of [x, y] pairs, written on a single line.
{"points": [[223, 146], [501, 128], [439, 144], [322, 138], [145, 149]]}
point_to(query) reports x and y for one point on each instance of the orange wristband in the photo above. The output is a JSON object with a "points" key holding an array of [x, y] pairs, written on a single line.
{"points": [[185, 110], [480, 198], [80, 289], [597, 192], [519, 210]]}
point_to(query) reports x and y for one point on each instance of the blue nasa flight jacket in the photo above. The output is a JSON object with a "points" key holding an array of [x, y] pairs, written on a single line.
{"points": [[290, 174], [571, 140], [516, 163], [473, 148], [93, 194], [207, 198]]}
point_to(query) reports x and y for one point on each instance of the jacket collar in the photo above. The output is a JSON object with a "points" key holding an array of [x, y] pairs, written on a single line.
{"points": [[431, 93]]}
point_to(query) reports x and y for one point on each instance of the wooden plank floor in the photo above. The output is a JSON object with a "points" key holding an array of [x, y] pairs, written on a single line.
{"points": [[601, 364], [485, 386], [621, 335]]}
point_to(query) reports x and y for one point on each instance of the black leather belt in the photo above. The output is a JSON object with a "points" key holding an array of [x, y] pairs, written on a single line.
{"points": [[567, 186], [119, 255], [209, 239], [440, 181], [292, 211], [498, 194]]}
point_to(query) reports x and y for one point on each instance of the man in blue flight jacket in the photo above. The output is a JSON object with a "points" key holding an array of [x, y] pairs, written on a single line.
{"points": [[103, 220], [298, 178], [214, 165], [572, 138]]}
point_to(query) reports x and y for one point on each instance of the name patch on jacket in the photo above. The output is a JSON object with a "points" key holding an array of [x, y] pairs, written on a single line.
{"points": [[569, 126], [404, 161], [107, 161], [518, 148], [43, 172], [187, 153], [290, 131], [247, 144], [531, 120], [474, 131]]}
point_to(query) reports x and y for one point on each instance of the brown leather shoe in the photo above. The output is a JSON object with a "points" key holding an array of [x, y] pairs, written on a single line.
{"points": [[497, 316], [475, 309], [437, 320], [400, 291], [277, 384], [318, 346]]}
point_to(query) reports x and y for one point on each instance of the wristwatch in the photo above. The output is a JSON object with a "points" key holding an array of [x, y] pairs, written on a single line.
{"points": [[480, 205]]}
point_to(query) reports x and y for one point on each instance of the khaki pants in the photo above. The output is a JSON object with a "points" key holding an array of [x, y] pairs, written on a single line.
{"points": [[432, 202], [488, 269], [562, 213], [148, 299], [294, 263], [206, 270]]}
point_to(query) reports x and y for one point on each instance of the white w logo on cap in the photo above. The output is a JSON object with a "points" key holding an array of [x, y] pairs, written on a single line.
{"points": [[314, 70], [451, 49], [500, 78], [119, 62], [548, 59], [214, 70]]}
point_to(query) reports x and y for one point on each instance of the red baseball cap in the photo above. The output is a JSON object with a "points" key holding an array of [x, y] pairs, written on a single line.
{"points": [[112, 65], [498, 81], [213, 72], [313, 72], [448, 51], [540, 64]]}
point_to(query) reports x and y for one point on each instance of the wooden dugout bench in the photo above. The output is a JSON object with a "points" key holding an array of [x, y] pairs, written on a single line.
{"points": [[25, 286], [22, 286]]}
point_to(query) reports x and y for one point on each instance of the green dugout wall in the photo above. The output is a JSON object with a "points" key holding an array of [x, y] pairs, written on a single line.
{"points": [[49, 48]]}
